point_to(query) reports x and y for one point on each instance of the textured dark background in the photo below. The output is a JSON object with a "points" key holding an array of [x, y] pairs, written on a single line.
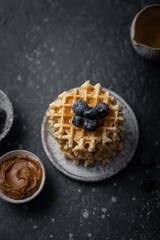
{"points": [[47, 47]]}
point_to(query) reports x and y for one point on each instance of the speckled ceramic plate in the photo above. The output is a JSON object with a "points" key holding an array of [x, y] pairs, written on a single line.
{"points": [[96, 172], [6, 105]]}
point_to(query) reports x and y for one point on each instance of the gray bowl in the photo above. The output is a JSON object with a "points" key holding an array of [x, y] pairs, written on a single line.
{"points": [[6, 105]]}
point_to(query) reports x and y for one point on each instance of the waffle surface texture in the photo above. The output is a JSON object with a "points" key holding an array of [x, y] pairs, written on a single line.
{"points": [[76, 143]]}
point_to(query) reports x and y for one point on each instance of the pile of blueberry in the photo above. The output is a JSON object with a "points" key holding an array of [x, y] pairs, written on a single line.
{"points": [[2, 119], [86, 117]]}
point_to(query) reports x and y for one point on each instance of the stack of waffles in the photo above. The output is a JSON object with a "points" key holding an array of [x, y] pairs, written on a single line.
{"points": [[78, 144]]}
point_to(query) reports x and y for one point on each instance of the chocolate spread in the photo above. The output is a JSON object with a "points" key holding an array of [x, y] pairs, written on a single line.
{"points": [[20, 176]]}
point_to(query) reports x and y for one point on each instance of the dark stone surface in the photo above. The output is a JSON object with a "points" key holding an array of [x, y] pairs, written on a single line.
{"points": [[51, 46]]}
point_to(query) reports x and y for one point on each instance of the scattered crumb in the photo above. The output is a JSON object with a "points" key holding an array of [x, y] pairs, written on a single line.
{"points": [[53, 220], [114, 199], [19, 77], [148, 213], [114, 184], [85, 214], [133, 198], [93, 190], [103, 216], [70, 236], [104, 210], [89, 235], [51, 236], [79, 190], [35, 226]]}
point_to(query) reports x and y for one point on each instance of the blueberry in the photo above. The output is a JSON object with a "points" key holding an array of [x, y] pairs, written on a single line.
{"points": [[90, 113], [77, 121], [90, 125], [79, 107], [2, 116], [102, 109], [147, 184], [146, 160]]}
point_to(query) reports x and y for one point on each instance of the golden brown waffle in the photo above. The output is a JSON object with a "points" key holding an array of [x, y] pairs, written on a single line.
{"points": [[75, 142]]}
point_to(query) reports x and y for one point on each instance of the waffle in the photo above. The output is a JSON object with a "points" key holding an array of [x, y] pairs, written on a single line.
{"points": [[78, 144]]}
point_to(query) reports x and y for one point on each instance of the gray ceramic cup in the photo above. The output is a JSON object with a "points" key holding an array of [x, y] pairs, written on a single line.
{"points": [[142, 49]]}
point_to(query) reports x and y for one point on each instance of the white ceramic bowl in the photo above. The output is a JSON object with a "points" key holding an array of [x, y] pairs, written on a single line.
{"points": [[31, 155]]}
